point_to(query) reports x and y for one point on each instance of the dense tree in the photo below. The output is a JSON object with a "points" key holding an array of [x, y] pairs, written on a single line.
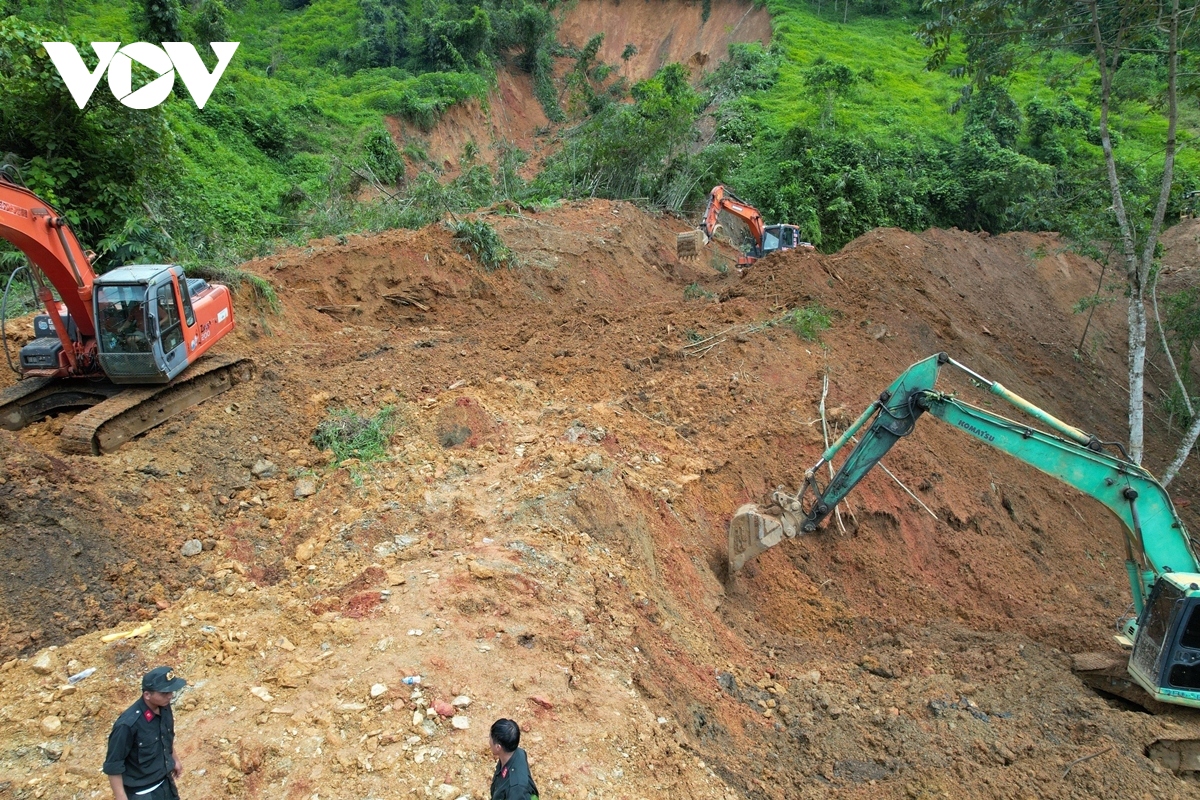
{"points": [[212, 21], [827, 81], [158, 20], [1122, 40], [96, 164]]}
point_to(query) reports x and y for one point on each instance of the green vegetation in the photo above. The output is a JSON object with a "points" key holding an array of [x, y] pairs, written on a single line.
{"points": [[1182, 326], [838, 127], [482, 240], [349, 435], [260, 288], [291, 145], [808, 322]]}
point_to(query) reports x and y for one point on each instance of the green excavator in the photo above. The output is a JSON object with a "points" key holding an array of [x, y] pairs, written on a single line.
{"points": [[1163, 635]]}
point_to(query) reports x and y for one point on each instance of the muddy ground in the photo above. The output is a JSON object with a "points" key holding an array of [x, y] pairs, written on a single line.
{"points": [[546, 537]]}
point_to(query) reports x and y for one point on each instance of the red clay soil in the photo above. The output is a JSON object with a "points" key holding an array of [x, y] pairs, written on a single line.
{"points": [[547, 534]]}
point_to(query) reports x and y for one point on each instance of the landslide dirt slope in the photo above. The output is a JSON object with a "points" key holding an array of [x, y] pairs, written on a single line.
{"points": [[547, 537], [661, 32]]}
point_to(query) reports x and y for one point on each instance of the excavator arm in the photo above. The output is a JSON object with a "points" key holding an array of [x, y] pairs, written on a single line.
{"points": [[1163, 571], [1155, 536], [46, 239], [723, 211]]}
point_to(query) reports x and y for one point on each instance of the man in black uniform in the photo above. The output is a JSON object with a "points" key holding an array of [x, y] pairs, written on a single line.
{"points": [[141, 762], [511, 780]]}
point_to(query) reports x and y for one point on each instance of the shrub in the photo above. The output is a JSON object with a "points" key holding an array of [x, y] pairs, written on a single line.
{"points": [[234, 278], [808, 322], [382, 156], [483, 241]]}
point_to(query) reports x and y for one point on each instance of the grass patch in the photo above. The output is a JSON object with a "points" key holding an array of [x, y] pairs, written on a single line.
{"points": [[19, 295], [808, 322], [260, 288], [481, 239], [349, 435]]}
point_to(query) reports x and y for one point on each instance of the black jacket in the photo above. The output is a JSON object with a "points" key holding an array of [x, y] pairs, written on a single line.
{"points": [[512, 781], [141, 746]]}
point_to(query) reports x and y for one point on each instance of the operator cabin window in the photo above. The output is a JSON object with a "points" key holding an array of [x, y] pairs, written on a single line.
{"points": [[170, 331], [770, 242], [787, 238], [185, 293], [1187, 676], [122, 319]]}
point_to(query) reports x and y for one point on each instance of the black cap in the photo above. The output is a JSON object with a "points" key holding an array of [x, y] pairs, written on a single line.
{"points": [[162, 679]]}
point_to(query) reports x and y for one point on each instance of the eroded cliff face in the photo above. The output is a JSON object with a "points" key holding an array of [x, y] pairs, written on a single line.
{"points": [[670, 31], [664, 32]]}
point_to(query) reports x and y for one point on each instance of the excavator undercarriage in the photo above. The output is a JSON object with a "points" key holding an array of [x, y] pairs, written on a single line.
{"points": [[115, 414]]}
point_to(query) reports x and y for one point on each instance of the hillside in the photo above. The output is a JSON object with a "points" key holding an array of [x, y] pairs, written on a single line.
{"points": [[548, 535], [660, 32], [344, 116]]}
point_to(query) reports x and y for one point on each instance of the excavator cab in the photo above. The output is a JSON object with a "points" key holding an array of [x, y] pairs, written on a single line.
{"points": [[150, 328], [122, 314], [1166, 652], [780, 237]]}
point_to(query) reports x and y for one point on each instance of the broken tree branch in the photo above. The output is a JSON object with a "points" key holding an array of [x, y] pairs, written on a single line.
{"points": [[905, 488], [1081, 759], [837, 512]]}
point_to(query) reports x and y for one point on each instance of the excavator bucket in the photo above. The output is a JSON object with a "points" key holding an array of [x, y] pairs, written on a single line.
{"points": [[751, 531], [687, 245]]}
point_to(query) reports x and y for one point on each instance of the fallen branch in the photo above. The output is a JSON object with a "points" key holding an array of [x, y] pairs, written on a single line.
{"points": [[405, 300], [837, 512], [1081, 759], [905, 488], [706, 339], [702, 351], [337, 310], [639, 412]]}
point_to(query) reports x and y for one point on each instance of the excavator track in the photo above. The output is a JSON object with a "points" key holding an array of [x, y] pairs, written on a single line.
{"points": [[1107, 674], [106, 426], [1178, 755], [30, 400]]}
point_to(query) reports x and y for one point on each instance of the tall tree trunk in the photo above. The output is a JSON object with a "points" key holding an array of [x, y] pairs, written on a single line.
{"points": [[1136, 313], [1136, 319], [1189, 441]]}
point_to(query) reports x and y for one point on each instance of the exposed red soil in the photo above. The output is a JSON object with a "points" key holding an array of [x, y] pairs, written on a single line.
{"points": [[661, 31], [574, 434]]}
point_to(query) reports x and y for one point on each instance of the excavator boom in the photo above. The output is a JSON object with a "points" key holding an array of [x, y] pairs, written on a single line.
{"points": [[1163, 570]]}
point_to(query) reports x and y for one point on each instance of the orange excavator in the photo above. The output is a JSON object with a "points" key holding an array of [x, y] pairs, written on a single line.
{"points": [[742, 223], [125, 346]]}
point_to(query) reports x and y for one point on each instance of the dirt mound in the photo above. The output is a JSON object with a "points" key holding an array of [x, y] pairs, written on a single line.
{"points": [[547, 535]]}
